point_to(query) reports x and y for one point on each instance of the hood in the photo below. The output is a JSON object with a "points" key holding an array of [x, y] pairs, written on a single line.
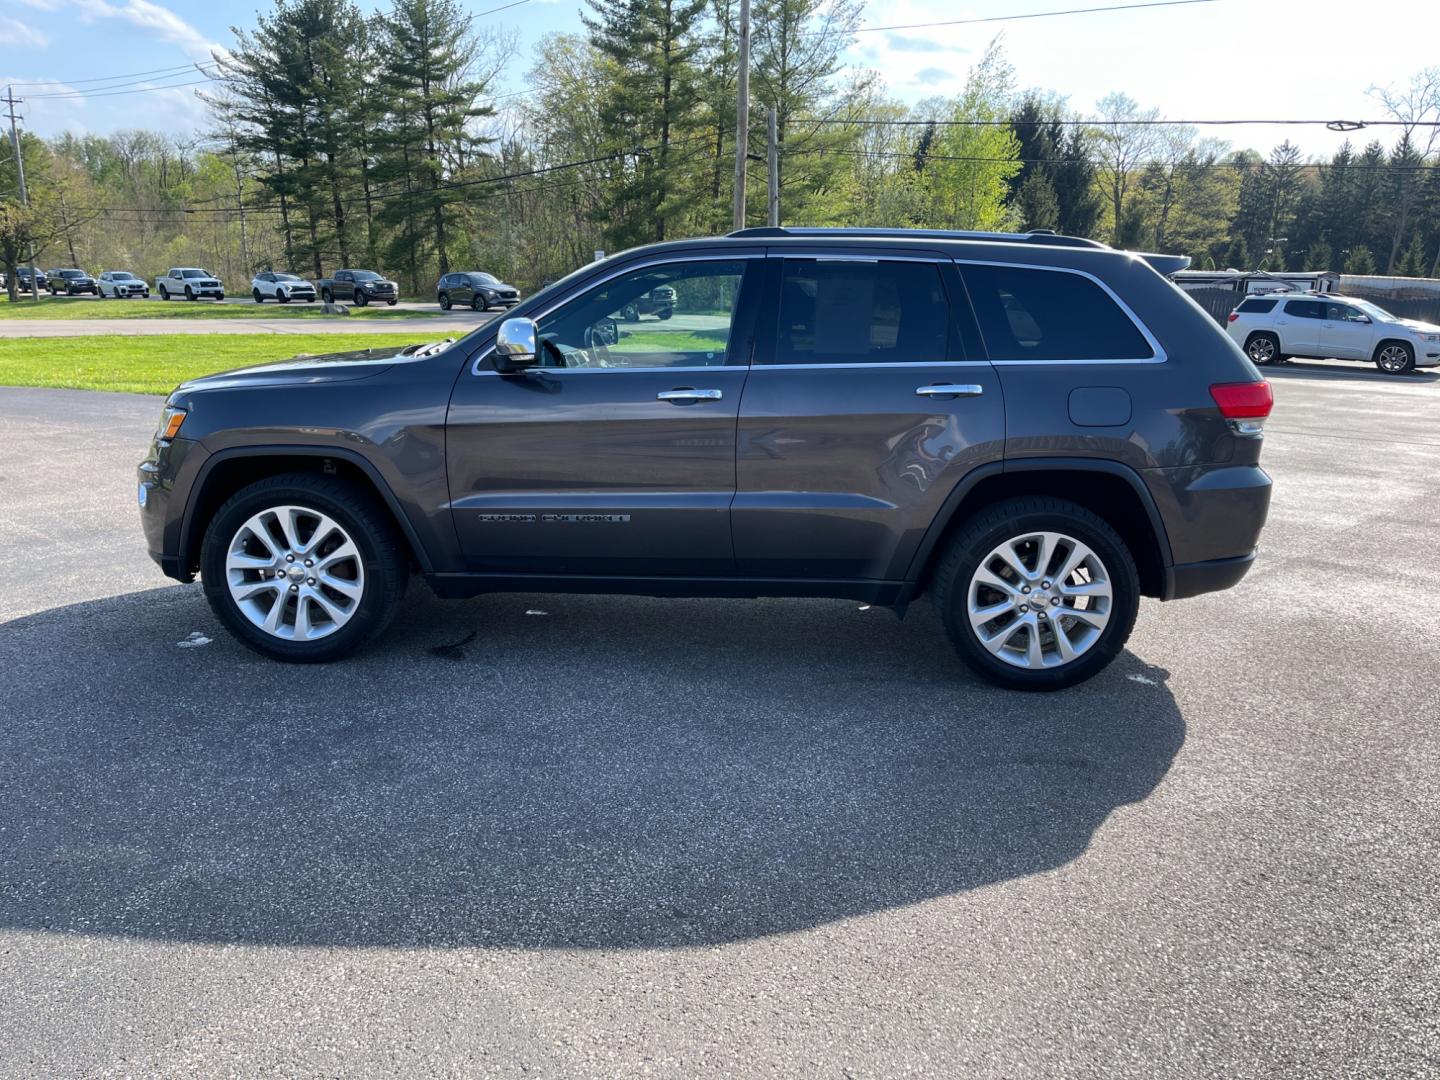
{"points": [[1420, 327], [306, 370]]}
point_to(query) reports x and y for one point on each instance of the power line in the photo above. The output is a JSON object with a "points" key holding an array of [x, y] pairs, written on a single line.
{"points": [[108, 78], [118, 93], [900, 155], [1027, 15], [1348, 125]]}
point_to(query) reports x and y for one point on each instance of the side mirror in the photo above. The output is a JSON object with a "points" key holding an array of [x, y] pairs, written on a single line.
{"points": [[1364, 319], [515, 345]]}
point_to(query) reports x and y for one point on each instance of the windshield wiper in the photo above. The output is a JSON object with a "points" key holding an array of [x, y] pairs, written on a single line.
{"points": [[427, 348]]}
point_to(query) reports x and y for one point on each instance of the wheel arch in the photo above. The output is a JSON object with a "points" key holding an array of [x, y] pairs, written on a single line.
{"points": [[1375, 353], [229, 470], [1110, 489]]}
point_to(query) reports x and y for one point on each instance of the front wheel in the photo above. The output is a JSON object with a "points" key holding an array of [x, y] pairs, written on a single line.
{"points": [[665, 313], [164, 293], [630, 313], [360, 299], [326, 297], [282, 296], [444, 301], [478, 304], [189, 293], [1395, 358], [392, 303], [303, 567], [1037, 593]]}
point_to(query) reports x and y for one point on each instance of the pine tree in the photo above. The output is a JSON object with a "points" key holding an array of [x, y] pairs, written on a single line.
{"points": [[1320, 255], [649, 109], [427, 52], [1360, 261], [1413, 264]]}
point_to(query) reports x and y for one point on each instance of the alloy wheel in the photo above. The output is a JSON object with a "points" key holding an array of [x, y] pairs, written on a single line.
{"points": [[295, 573], [1039, 600], [1262, 350], [1394, 358]]}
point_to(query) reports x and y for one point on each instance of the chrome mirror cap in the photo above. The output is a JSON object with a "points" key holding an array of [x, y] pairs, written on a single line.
{"points": [[515, 344]]}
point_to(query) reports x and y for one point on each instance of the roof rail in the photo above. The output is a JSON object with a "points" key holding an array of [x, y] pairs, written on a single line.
{"points": [[1036, 236]]}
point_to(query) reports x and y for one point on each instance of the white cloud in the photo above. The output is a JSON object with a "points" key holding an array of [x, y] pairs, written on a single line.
{"points": [[16, 33], [166, 25]]}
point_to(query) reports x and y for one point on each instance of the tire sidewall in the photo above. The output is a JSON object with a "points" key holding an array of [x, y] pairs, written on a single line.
{"points": [[1125, 590], [367, 620], [1274, 356]]}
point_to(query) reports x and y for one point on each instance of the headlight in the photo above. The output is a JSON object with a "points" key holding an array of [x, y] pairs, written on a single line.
{"points": [[170, 421], [1430, 337]]}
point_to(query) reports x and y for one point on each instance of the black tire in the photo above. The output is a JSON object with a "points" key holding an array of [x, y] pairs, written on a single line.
{"points": [[478, 304], [326, 297], [189, 293], [164, 293], [361, 299], [385, 563], [392, 303], [1263, 348], [258, 295], [1386, 354], [629, 313], [282, 296], [1013, 518], [665, 313], [444, 300]]}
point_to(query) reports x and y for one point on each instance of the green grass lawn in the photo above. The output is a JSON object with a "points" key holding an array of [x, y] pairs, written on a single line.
{"points": [[85, 307], [154, 364]]}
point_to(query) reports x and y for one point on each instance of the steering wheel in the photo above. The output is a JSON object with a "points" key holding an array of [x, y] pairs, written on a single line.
{"points": [[598, 339]]}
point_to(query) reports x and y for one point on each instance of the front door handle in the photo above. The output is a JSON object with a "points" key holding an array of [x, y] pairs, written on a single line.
{"points": [[950, 390], [688, 395]]}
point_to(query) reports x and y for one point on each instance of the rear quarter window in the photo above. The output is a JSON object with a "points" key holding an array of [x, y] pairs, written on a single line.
{"points": [[1037, 314], [1256, 307]]}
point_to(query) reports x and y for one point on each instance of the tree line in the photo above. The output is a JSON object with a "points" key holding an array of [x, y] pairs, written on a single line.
{"points": [[337, 137]]}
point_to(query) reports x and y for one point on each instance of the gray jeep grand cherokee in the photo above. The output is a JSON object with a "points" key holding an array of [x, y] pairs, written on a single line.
{"points": [[1037, 430]]}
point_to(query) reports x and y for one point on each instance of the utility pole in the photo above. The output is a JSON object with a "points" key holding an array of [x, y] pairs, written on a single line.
{"points": [[772, 157], [742, 116], [11, 101]]}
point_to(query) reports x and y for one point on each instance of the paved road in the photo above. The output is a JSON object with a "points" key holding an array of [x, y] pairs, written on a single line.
{"points": [[420, 329], [598, 836]]}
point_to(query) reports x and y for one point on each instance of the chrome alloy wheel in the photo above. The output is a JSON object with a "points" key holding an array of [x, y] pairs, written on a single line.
{"points": [[295, 573], [1261, 350], [1393, 358], [1039, 600]]}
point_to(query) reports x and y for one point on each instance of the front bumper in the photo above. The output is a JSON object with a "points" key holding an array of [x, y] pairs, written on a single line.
{"points": [[163, 478]]}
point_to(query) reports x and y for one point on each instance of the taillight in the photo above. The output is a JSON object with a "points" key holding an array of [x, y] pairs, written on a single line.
{"points": [[1232, 316], [1245, 405]]}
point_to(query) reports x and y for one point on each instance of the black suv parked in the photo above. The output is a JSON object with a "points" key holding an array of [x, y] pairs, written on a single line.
{"points": [[71, 283], [1036, 430], [479, 290]]}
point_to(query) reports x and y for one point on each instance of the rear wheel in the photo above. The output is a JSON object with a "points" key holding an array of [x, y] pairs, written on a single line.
{"points": [[1263, 349], [445, 301], [1395, 358], [1037, 593], [303, 568]]}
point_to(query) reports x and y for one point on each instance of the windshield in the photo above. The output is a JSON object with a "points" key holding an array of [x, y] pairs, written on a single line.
{"points": [[1373, 310], [287, 277], [194, 273], [367, 275], [122, 275], [488, 279], [72, 273]]}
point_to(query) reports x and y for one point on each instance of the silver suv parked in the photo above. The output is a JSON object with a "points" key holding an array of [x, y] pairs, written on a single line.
{"points": [[1274, 328]]}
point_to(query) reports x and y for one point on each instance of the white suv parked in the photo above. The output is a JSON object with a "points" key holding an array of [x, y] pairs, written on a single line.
{"points": [[271, 285], [1273, 328]]}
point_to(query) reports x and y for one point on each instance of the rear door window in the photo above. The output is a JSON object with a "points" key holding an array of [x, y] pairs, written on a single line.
{"points": [[863, 311], [1037, 314]]}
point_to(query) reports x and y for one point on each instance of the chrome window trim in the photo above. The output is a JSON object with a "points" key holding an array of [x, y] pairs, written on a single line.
{"points": [[593, 370], [1159, 356], [899, 364], [475, 368]]}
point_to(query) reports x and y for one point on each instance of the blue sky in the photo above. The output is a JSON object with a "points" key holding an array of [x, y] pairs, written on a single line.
{"points": [[1227, 58]]}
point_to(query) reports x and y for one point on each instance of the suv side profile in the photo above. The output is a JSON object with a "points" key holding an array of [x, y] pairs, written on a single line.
{"points": [[1274, 328], [1035, 430], [476, 290]]}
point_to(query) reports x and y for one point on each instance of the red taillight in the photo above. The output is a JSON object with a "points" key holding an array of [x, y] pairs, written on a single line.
{"points": [[1243, 400], [1232, 316]]}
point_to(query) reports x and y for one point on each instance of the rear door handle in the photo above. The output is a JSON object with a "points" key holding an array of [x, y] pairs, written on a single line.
{"points": [[950, 390], [688, 395]]}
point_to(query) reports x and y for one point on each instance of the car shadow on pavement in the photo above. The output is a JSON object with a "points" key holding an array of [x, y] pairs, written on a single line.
{"points": [[1352, 371], [540, 772]]}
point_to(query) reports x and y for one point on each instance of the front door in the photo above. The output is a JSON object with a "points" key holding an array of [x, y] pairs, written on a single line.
{"points": [[862, 412], [616, 456], [1346, 333]]}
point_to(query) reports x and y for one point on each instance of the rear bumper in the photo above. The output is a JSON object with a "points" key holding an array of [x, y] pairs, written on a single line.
{"points": [[1191, 579]]}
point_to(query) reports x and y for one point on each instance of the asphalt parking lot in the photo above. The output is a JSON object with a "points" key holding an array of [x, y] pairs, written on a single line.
{"points": [[615, 836]]}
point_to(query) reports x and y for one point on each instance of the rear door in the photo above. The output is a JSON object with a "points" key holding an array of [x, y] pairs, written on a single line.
{"points": [[1300, 327], [617, 457], [862, 411]]}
